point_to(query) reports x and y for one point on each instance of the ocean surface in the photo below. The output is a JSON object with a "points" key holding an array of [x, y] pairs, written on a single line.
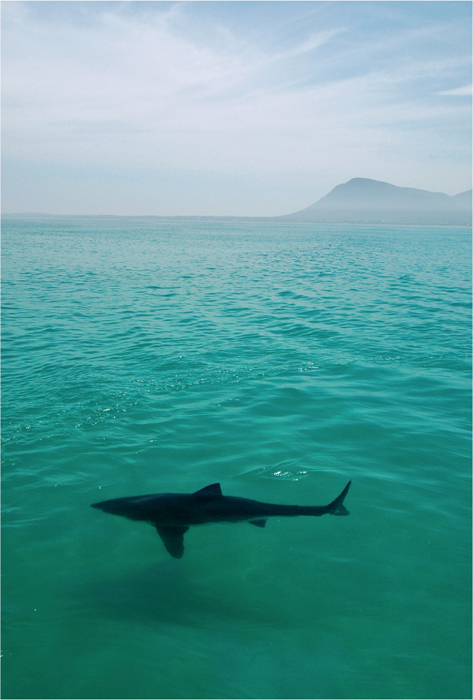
{"points": [[280, 360]]}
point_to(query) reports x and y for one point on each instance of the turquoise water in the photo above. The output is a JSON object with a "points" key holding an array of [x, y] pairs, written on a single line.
{"points": [[280, 360]]}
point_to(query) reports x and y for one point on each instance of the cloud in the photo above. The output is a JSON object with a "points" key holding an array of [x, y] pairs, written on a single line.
{"points": [[124, 87], [464, 91]]}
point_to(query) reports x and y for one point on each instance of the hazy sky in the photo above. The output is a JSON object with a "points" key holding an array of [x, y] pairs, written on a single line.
{"points": [[239, 108]]}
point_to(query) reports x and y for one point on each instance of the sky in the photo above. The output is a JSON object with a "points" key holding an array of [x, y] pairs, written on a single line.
{"points": [[229, 108]]}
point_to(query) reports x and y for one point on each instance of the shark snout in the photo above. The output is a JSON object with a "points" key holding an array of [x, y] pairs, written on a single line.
{"points": [[106, 506], [117, 506]]}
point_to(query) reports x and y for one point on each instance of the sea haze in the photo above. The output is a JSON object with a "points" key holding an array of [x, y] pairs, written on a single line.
{"points": [[358, 201], [280, 359]]}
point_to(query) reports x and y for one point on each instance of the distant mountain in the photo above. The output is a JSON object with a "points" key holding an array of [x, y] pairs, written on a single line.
{"points": [[463, 200], [369, 201], [357, 201]]}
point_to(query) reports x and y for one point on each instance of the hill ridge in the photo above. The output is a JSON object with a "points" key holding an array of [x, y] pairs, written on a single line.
{"points": [[363, 200]]}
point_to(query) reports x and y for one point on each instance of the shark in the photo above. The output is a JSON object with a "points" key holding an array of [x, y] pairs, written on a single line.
{"points": [[172, 514]]}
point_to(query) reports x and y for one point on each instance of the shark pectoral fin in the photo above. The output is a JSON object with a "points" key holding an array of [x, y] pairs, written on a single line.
{"points": [[173, 539], [258, 523]]}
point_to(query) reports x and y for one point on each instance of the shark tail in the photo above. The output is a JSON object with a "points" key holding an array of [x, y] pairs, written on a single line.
{"points": [[337, 507]]}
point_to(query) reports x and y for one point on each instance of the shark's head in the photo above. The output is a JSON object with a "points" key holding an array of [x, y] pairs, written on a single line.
{"points": [[133, 507], [116, 506]]}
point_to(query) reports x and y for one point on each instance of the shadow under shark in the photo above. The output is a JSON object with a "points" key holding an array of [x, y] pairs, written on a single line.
{"points": [[172, 514]]}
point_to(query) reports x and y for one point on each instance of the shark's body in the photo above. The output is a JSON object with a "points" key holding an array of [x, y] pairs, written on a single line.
{"points": [[173, 514]]}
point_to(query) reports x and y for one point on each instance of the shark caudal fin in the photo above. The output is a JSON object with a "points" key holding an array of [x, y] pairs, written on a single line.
{"points": [[337, 507]]}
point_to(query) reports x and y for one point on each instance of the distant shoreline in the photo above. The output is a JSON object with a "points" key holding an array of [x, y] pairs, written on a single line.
{"points": [[223, 219], [358, 201]]}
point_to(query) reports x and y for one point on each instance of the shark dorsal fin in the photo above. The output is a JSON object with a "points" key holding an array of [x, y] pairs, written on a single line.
{"points": [[212, 490]]}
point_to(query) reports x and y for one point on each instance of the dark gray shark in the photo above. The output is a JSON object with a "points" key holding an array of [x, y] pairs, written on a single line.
{"points": [[173, 514]]}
